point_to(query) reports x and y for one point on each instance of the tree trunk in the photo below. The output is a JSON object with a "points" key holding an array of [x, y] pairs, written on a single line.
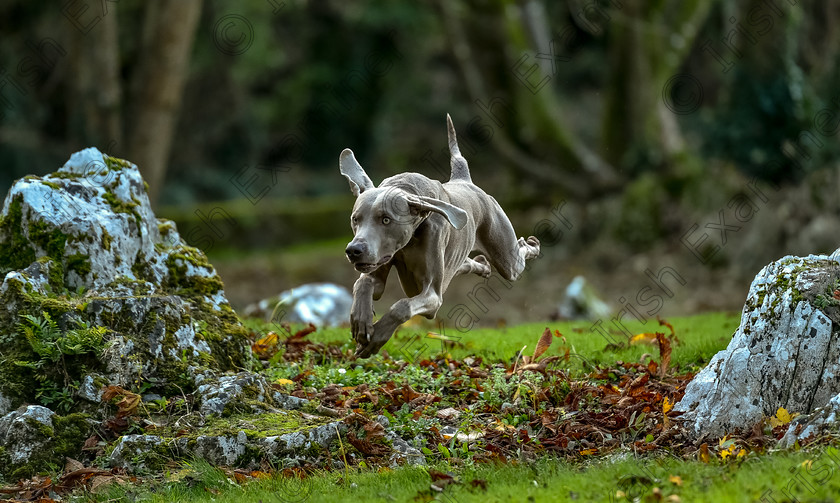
{"points": [[157, 86], [97, 100], [572, 166], [648, 42]]}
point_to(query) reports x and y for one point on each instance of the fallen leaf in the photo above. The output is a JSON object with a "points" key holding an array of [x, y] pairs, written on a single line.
{"points": [[129, 403], [100, 481], [543, 344], [264, 345], [782, 417], [478, 484], [675, 479], [72, 465], [664, 353], [665, 323], [300, 334], [703, 453], [643, 338]]}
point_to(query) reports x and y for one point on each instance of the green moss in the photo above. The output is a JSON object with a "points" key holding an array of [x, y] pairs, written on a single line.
{"points": [[120, 206], [141, 268], [106, 240], [42, 429], [51, 240], [80, 263], [52, 185], [66, 176], [71, 431], [115, 163], [15, 249], [55, 273], [64, 439], [192, 285]]}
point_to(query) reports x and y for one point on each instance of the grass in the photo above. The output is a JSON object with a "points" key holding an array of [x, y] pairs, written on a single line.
{"points": [[805, 476], [772, 476], [700, 338]]}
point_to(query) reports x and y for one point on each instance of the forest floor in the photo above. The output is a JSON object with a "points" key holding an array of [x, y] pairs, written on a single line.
{"points": [[535, 412]]}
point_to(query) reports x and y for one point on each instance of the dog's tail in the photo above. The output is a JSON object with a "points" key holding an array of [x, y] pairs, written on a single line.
{"points": [[460, 168]]}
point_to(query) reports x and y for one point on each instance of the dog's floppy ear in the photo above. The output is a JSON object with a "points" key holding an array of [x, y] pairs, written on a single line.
{"points": [[353, 172], [455, 215]]}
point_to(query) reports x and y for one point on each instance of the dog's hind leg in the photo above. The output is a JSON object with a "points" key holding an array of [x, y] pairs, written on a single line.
{"points": [[503, 249], [477, 265]]}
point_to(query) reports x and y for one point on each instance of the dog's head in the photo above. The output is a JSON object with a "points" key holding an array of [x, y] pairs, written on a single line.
{"points": [[384, 218]]}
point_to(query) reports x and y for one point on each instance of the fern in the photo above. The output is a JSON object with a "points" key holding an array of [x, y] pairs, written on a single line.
{"points": [[47, 341], [42, 335]]}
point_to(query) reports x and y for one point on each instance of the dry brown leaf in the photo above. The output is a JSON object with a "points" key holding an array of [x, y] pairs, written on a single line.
{"points": [[543, 344], [128, 405], [100, 482], [664, 353], [71, 465]]}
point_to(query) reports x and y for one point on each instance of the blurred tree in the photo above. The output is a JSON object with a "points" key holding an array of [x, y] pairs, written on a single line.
{"points": [[572, 166], [648, 43], [168, 32]]}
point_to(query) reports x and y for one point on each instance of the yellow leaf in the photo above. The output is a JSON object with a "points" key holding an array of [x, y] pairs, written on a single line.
{"points": [[588, 452], [666, 405], [264, 345], [742, 453], [675, 479], [703, 453], [782, 417], [644, 338], [284, 381]]}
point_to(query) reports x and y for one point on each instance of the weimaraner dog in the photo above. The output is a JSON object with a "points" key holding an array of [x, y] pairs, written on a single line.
{"points": [[426, 230]]}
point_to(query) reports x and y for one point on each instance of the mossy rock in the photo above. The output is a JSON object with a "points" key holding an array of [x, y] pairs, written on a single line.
{"points": [[34, 439], [83, 248], [240, 440]]}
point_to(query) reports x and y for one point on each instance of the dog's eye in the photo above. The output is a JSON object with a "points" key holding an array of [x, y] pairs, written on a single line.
{"points": [[355, 220], [386, 220]]}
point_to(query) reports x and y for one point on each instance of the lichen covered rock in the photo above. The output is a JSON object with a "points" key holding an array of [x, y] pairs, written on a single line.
{"points": [[243, 392], [83, 254], [811, 426], [33, 437], [285, 438], [785, 353]]}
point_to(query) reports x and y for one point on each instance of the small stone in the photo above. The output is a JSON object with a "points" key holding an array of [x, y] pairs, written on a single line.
{"points": [[322, 304], [448, 413]]}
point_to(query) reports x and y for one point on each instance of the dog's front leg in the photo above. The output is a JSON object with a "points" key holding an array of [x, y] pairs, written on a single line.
{"points": [[367, 288], [361, 313], [426, 304]]}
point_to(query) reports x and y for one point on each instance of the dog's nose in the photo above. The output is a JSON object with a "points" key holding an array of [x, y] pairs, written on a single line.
{"points": [[354, 251]]}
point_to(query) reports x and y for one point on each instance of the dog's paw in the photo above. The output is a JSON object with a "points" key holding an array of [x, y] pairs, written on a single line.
{"points": [[380, 334], [361, 327], [484, 270]]}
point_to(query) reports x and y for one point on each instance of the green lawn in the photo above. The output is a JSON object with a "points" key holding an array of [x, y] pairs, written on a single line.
{"points": [[700, 338], [619, 475], [543, 481]]}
